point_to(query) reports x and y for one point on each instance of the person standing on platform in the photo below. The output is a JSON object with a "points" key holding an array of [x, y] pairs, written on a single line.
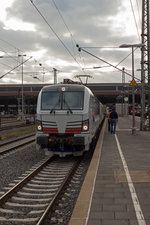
{"points": [[113, 120], [108, 117]]}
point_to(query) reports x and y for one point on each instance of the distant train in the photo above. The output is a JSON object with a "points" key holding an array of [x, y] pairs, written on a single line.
{"points": [[68, 117]]}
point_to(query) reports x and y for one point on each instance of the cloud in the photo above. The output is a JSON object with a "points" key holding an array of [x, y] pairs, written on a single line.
{"points": [[15, 24], [91, 23]]}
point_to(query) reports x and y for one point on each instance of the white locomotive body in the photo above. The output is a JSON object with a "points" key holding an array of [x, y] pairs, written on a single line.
{"points": [[68, 116]]}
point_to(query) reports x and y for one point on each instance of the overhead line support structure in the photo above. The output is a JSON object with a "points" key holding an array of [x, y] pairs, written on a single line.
{"points": [[111, 65], [145, 61], [22, 83], [148, 51]]}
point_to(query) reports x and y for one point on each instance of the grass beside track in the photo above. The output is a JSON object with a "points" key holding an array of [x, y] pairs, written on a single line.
{"points": [[20, 132]]}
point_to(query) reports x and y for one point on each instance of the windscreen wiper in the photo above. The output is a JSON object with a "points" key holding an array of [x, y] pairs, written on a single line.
{"points": [[67, 106], [57, 103]]}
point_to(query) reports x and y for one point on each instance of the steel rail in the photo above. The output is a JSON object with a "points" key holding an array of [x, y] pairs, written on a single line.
{"points": [[58, 193], [13, 190], [17, 139], [17, 126], [17, 145]]}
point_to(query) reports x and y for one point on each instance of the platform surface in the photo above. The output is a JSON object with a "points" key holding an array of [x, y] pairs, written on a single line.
{"points": [[116, 190]]}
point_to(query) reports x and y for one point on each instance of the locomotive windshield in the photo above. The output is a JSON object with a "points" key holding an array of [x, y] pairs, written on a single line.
{"points": [[51, 100], [73, 100], [62, 100]]}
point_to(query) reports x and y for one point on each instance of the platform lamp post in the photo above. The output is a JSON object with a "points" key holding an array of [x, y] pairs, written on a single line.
{"points": [[22, 91], [132, 46]]}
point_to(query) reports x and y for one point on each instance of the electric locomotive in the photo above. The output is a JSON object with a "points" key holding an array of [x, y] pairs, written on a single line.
{"points": [[68, 116]]}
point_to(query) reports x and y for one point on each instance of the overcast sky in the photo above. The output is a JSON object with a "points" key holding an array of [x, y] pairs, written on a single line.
{"points": [[48, 30]]}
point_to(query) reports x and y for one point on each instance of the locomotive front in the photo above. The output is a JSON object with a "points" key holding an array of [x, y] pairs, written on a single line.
{"points": [[63, 119]]}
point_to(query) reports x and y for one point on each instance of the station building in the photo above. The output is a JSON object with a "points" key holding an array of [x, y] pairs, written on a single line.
{"points": [[107, 93]]}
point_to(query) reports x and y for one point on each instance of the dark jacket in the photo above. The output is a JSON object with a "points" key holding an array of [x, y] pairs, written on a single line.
{"points": [[113, 115]]}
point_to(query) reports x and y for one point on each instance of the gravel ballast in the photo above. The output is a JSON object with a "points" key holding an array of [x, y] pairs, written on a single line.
{"points": [[14, 165]]}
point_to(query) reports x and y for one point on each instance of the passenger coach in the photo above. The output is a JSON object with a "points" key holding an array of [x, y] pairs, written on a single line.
{"points": [[68, 116]]}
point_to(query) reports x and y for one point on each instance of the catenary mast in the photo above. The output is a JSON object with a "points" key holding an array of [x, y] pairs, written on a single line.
{"points": [[145, 60]]}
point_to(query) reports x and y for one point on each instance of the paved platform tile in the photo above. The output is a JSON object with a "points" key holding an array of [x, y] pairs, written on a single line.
{"points": [[96, 207], [114, 222], [123, 200], [147, 215], [138, 176], [125, 215], [102, 215], [96, 200], [115, 208], [134, 222], [94, 222], [109, 194]]}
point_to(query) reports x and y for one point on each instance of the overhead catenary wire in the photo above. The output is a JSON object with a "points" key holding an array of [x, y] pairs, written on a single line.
{"points": [[7, 55], [94, 47], [135, 19], [18, 50], [15, 67], [81, 48], [71, 35], [64, 22], [5, 65], [10, 44], [126, 56], [73, 42], [55, 33], [138, 9]]}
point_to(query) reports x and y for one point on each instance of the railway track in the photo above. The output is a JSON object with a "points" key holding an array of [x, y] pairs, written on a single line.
{"points": [[9, 126], [15, 144], [31, 198]]}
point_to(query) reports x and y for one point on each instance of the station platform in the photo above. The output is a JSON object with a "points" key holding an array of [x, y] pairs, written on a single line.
{"points": [[116, 189]]}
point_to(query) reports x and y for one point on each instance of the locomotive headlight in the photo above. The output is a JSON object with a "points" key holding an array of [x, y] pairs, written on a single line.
{"points": [[39, 125], [85, 125]]}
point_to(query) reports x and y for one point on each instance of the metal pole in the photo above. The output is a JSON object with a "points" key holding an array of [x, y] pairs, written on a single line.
{"points": [[148, 50], [142, 119], [133, 96], [55, 76], [22, 92], [143, 67], [22, 113], [123, 82]]}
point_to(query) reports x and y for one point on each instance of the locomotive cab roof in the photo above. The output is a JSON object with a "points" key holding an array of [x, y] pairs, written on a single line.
{"points": [[65, 87]]}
